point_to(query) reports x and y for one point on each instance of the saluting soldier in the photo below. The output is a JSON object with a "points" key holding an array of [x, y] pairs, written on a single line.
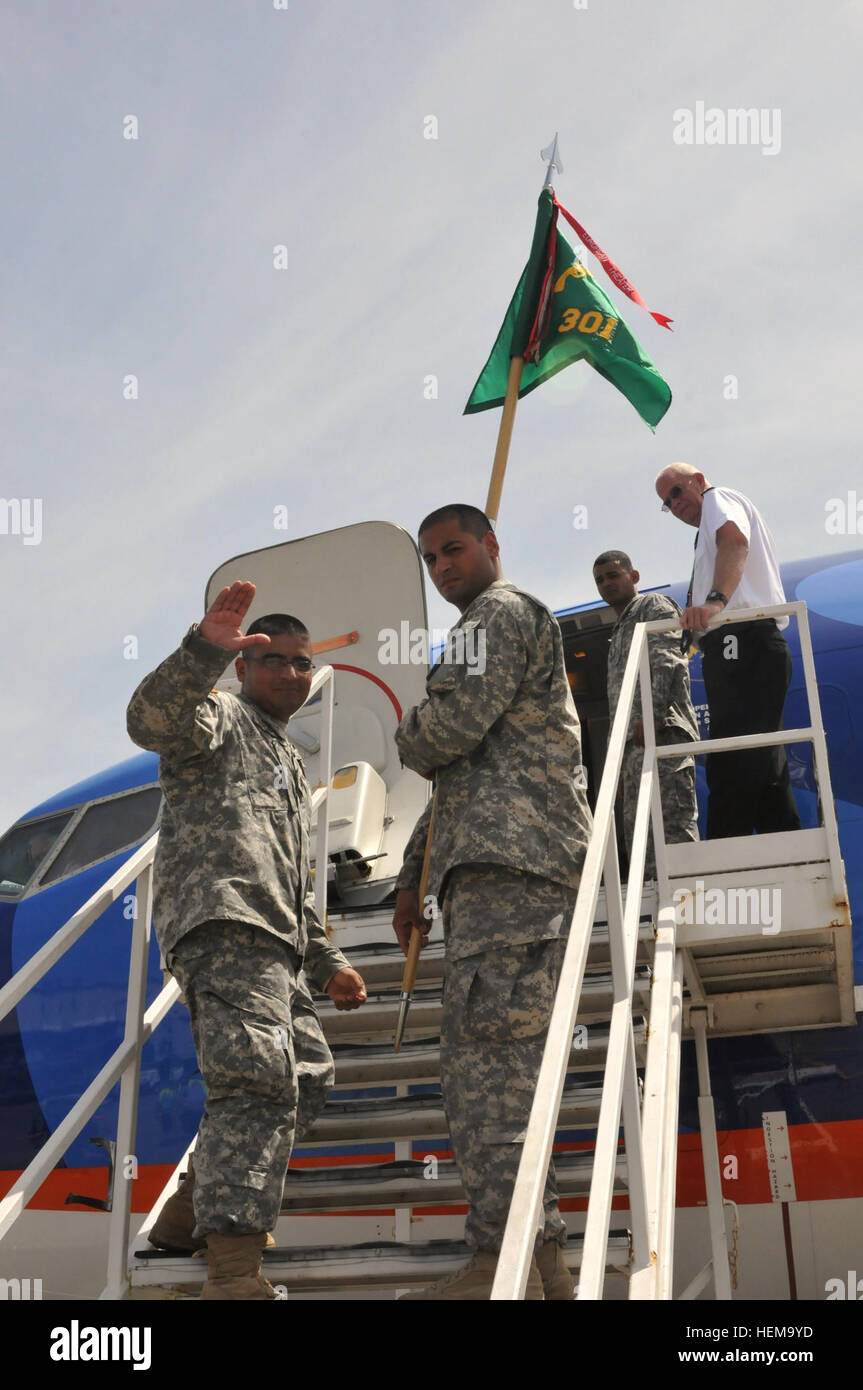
{"points": [[235, 919], [499, 734], [673, 716]]}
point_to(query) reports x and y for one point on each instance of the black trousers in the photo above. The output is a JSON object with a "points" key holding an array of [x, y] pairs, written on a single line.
{"points": [[746, 682]]}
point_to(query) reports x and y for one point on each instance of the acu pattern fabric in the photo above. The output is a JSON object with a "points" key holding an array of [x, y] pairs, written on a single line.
{"points": [[511, 829], [497, 1008], [265, 1064], [505, 748], [672, 706], [235, 919]]}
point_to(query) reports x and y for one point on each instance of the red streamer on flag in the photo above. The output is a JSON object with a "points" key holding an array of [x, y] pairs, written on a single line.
{"points": [[611, 270], [543, 307]]}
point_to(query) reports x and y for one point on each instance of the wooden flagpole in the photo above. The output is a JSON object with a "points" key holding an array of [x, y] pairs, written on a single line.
{"points": [[504, 436], [416, 941]]}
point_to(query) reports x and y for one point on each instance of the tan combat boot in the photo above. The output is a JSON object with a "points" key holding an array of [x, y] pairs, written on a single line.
{"points": [[176, 1221], [474, 1281], [234, 1268], [556, 1279]]}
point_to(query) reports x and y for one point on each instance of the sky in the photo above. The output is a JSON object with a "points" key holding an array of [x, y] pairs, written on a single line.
{"points": [[171, 381]]}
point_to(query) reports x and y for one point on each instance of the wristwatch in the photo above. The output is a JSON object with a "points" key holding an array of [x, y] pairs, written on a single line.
{"points": [[715, 596]]}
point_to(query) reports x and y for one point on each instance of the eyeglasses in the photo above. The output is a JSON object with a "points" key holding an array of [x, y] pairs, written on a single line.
{"points": [[274, 661], [672, 497]]}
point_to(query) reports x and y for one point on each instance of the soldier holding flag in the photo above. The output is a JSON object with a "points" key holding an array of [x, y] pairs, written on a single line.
{"points": [[510, 833]]}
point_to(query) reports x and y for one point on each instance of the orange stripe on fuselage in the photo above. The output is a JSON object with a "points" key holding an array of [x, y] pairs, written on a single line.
{"points": [[827, 1160]]}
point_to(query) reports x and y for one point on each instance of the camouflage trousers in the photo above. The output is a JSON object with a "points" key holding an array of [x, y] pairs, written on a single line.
{"points": [[676, 789], [496, 1008], [265, 1064]]}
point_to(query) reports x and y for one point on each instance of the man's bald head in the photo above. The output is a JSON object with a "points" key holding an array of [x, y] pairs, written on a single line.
{"points": [[681, 487], [676, 473]]}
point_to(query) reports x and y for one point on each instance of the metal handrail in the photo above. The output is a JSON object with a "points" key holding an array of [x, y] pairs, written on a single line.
{"points": [[320, 798], [53, 1149], [125, 1062], [600, 860], [651, 1140], [65, 937]]}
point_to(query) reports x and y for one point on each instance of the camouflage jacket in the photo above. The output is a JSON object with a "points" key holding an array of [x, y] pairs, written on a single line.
{"points": [[234, 839], [669, 669], [505, 747]]}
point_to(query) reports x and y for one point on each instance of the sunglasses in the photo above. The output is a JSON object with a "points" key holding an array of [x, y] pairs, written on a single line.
{"points": [[274, 661]]}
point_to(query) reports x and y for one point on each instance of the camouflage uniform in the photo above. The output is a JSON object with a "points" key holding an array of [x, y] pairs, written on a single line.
{"points": [[511, 829], [672, 706], [235, 919]]}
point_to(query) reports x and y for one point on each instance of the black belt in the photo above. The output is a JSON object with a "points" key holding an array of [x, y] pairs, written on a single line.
{"points": [[737, 629]]}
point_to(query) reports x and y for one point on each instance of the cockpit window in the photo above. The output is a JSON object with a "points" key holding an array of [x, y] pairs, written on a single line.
{"points": [[105, 828], [25, 848]]}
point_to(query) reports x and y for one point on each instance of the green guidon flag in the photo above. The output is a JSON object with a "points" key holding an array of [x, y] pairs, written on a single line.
{"points": [[559, 315]]}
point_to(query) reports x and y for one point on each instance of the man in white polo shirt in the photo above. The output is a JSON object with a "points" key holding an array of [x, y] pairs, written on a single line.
{"points": [[746, 679]]}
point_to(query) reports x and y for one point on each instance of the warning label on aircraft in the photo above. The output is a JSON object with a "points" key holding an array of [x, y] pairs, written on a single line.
{"points": [[778, 1148]]}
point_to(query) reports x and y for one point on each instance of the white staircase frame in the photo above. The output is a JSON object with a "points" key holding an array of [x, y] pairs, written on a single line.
{"points": [[650, 1122], [650, 1126], [124, 1064]]}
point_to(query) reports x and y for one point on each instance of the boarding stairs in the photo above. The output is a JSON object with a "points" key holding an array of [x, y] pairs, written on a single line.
{"points": [[371, 1226], [638, 978]]}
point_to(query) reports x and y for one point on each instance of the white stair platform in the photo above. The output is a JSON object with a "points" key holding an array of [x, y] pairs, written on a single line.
{"points": [[767, 940]]}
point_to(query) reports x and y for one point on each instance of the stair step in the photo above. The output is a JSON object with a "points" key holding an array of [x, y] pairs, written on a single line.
{"points": [[422, 1117], [379, 1264], [381, 963], [408, 1183], [355, 929], [380, 1013], [375, 1064]]}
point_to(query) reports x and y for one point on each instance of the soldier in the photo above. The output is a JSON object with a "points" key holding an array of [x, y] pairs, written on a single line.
{"points": [[235, 920], [673, 716], [501, 739]]}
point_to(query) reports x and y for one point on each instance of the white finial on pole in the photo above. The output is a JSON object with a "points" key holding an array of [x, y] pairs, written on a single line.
{"points": [[550, 153]]}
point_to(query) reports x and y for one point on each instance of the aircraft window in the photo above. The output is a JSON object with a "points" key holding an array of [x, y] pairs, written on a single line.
{"points": [[104, 829], [25, 848]]}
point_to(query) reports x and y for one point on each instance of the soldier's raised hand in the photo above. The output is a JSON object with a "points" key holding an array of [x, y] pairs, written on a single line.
{"points": [[223, 621]]}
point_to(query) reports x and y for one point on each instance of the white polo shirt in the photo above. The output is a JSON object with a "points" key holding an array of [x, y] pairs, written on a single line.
{"points": [[760, 584]]}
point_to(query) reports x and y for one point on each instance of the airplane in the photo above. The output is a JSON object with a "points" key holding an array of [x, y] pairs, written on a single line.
{"points": [[358, 589]]}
